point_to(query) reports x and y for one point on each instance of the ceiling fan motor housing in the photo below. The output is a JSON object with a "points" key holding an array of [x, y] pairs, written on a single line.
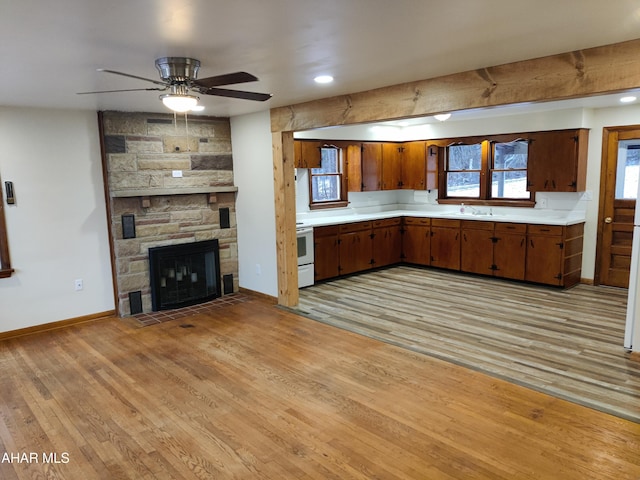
{"points": [[178, 69]]}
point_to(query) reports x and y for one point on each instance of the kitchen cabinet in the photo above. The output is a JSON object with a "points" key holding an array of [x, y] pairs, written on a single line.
{"points": [[355, 247], [391, 166], [554, 254], [445, 243], [414, 165], [557, 161], [509, 250], [387, 242], [326, 253], [433, 153], [476, 247], [371, 161], [416, 240], [307, 154]]}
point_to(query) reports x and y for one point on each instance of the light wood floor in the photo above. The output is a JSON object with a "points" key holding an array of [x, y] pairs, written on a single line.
{"points": [[252, 391], [564, 342]]}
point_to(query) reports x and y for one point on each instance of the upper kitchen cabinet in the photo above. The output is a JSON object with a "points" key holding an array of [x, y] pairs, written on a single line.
{"points": [[414, 165], [307, 154], [391, 166], [557, 161], [371, 160]]}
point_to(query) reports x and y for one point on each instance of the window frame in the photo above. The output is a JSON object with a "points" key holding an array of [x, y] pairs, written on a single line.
{"points": [[487, 153], [5, 261], [343, 200]]}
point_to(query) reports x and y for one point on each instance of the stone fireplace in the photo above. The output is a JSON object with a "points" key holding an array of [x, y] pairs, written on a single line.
{"points": [[170, 182]]}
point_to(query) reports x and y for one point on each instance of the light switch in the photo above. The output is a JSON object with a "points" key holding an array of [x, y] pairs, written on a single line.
{"points": [[176, 173]]}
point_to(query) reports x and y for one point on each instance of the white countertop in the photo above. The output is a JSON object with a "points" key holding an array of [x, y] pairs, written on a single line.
{"points": [[532, 216]]}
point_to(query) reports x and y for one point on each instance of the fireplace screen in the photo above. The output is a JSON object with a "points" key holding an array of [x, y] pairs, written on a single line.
{"points": [[184, 274]]}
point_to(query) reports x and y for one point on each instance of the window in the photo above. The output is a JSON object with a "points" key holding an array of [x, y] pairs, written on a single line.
{"points": [[627, 171], [490, 171], [327, 183]]}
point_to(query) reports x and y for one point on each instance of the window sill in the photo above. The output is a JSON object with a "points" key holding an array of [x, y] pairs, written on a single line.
{"points": [[488, 203], [319, 206]]}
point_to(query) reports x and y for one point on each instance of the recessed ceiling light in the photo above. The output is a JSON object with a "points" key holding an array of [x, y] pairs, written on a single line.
{"points": [[628, 99], [442, 116], [323, 79]]}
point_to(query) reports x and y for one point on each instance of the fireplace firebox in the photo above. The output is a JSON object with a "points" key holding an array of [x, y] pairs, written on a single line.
{"points": [[184, 274]]}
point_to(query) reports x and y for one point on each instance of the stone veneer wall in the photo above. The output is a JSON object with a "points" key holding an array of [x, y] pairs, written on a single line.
{"points": [[142, 150]]}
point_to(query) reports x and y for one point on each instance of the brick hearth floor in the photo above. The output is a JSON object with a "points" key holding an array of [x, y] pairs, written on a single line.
{"points": [[153, 318]]}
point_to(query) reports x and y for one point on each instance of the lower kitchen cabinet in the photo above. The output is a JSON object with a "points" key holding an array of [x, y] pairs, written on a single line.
{"points": [[554, 254], [445, 243], [509, 250], [326, 260], [476, 247], [355, 247], [546, 254], [386, 242], [416, 240]]}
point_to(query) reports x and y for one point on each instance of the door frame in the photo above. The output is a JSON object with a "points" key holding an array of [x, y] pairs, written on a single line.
{"points": [[608, 156]]}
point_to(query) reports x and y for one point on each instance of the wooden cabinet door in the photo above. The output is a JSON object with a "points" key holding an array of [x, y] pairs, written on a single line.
{"points": [[433, 153], [557, 161], [544, 259], [509, 250], [356, 247], [416, 241], [414, 166], [445, 244], [307, 154], [476, 247], [371, 160], [391, 166], [326, 259], [354, 168], [386, 242]]}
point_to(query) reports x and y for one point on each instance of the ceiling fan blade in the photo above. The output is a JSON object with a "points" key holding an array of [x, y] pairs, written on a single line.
{"points": [[223, 92], [226, 79], [157, 82], [125, 90]]}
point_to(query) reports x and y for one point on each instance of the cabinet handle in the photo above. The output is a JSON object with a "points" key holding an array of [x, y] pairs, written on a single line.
{"points": [[608, 220], [532, 245]]}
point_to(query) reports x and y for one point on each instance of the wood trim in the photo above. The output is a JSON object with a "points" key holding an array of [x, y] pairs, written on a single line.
{"points": [[263, 296], [5, 259], [56, 325], [107, 201], [568, 75]]}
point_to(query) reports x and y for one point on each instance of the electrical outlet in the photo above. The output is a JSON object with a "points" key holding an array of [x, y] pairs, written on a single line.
{"points": [[78, 284], [542, 202], [258, 269]]}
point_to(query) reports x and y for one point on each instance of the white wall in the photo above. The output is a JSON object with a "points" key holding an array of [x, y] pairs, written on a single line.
{"points": [[255, 204], [58, 228]]}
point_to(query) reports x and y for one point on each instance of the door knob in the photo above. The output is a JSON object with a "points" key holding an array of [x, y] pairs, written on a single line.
{"points": [[608, 220]]}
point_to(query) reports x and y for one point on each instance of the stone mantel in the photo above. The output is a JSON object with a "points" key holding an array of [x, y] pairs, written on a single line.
{"points": [[150, 192]]}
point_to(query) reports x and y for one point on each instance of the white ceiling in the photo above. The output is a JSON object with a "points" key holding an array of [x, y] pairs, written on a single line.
{"points": [[50, 50]]}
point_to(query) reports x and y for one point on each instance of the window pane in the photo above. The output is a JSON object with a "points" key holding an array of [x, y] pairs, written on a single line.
{"points": [[509, 184], [325, 188], [627, 169], [463, 184], [329, 162], [510, 155], [465, 157]]}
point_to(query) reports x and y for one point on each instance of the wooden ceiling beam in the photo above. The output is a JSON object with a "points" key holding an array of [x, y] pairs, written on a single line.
{"points": [[593, 71]]}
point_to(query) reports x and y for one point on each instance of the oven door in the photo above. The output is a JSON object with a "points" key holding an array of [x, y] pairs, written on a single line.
{"points": [[305, 245]]}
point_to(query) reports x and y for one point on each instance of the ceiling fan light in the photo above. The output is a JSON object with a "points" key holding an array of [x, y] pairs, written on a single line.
{"points": [[179, 103]]}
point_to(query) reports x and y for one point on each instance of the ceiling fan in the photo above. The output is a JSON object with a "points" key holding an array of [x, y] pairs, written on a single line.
{"points": [[179, 77]]}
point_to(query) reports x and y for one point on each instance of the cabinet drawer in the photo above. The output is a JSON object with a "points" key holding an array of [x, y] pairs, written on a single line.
{"points": [[511, 227], [477, 225], [417, 221], [387, 222], [325, 231], [545, 229], [445, 222], [355, 227]]}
